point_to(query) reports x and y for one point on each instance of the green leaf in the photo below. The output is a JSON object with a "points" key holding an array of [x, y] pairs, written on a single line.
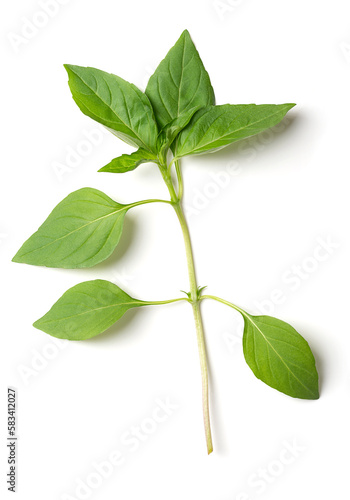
{"points": [[126, 163], [86, 310], [81, 231], [168, 133], [117, 104], [214, 127], [180, 82], [280, 357]]}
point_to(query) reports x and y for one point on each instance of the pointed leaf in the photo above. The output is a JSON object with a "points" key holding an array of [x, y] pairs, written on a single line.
{"points": [[116, 103], [214, 127], [179, 83], [86, 310], [280, 357], [126, 163], [81, 231]]}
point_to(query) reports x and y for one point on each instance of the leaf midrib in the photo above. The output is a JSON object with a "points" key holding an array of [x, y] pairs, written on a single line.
{"points": [[113, 111], [75, 230], [136, 303], [199, 148]]}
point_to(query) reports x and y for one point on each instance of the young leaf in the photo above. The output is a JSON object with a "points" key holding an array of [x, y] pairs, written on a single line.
{"points": [[280, 357], [214, 127], [81, 231], [117, 104], [180, 82], [168, 133], [86, 310], [126, 163]]}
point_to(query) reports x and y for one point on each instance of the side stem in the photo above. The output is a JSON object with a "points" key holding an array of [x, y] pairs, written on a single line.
{"points": [[227, 303]]}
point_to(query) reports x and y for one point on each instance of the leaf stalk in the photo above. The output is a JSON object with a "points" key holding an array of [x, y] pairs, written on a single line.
{"points": [[227, 303]]}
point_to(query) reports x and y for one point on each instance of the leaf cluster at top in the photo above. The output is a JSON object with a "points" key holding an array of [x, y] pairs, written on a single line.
{"points": [[177, 111]]}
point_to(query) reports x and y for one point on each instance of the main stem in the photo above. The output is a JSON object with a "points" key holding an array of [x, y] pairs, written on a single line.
{"points": [[195, 302]]}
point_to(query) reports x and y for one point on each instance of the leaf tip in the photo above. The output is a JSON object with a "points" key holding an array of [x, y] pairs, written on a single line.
{"points": [[71, 69], [67, 67], [70, 72], [37, 324], [18, 258], [185, 36]]}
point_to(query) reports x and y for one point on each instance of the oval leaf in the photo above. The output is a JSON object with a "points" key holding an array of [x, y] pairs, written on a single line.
{"points": [[280, 357], [215, 127], [81, 231], [116, 103], [179, 83], [86, 310]]}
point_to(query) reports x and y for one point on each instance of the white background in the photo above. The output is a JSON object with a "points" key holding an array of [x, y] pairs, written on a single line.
{"points": [[272, 202]]}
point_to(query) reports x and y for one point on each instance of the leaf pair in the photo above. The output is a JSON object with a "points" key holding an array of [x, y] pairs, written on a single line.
{"points": [[273, 349]]}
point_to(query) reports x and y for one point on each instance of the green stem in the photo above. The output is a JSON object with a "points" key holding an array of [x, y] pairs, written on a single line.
{"points": [[189, 252], [198, 323], [177, 205], [169, 183], [204, 374], [179, 179]]}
